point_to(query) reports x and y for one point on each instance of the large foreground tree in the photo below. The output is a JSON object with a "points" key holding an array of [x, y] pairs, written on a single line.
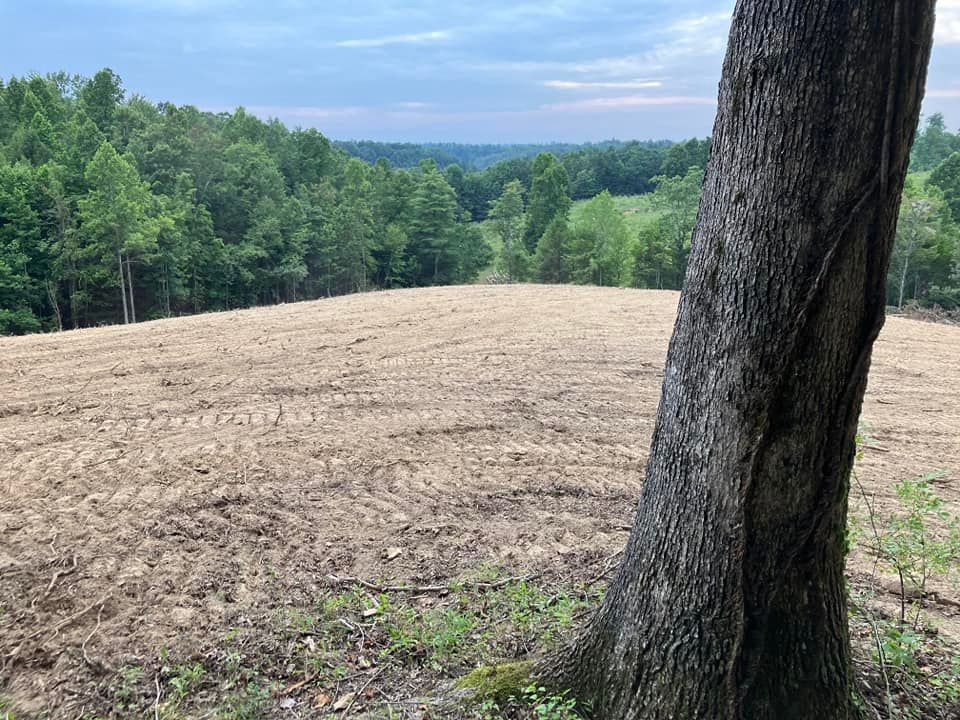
{"points": [[730, 599]]}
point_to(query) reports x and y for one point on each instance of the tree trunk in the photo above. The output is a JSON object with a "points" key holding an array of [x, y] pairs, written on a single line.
{"points": [[907, 251], [730, 599], [52, 291], [133, 312], [903, 281], [123, 289], [74, 305]]}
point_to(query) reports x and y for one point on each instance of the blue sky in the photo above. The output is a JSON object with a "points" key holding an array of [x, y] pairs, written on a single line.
{"points": [[419, 70]]}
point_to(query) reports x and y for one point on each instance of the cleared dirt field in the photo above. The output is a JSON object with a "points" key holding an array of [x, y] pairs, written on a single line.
{"points": [[159, 482]]}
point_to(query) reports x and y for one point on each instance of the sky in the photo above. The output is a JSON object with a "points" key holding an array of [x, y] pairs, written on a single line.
{"points": [[420, 70]]}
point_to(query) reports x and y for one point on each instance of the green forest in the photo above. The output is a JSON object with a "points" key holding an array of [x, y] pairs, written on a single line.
{"points": [[114, 208]]}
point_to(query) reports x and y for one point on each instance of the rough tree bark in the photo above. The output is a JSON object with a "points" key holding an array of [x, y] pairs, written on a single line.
{"points": [[730, 599]]}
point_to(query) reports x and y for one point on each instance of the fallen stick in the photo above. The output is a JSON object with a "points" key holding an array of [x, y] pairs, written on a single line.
{"points": [[156, 702], [56, 629], [57, 575], [63, 623], [359, 692], [93, 662]]}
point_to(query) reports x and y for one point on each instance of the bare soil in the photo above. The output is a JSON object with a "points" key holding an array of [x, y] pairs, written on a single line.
{"points": [[158, 482]]}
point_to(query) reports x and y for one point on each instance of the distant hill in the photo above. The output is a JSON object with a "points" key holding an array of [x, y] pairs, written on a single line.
{"points": [[469, 157]]}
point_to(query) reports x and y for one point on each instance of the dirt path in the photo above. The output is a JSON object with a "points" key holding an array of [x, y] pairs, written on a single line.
{"points": [[166, 476]]}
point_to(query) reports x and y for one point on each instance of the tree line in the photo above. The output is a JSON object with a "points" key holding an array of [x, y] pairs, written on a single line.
{"points": [[542, 240], [595, 246], [621, 169], [115, 209], [470, 157]]}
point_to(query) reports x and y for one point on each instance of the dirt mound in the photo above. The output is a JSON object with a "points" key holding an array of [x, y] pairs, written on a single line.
{"points": [[161, 480]]}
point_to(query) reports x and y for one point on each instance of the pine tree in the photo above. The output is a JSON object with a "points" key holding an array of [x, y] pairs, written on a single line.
{"points": [[553, 252]]}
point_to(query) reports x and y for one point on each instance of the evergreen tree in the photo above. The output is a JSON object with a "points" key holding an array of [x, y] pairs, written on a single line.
{"points": [[432, 222], [553, 251], [21, 250]]}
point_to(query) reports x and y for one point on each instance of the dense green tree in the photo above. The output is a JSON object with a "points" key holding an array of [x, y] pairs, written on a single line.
{"points": [[926, 242], [933, 144], [677, 199], [946, 176], [22, 251], [651, 258], [394, 249], [471, 251], [247, 176], [58, 223], [552, 257], [548, 198], [506, 214], [116, 221], [100, 98], [35, 138], [685, 155], [432, 223], [601, 246]]}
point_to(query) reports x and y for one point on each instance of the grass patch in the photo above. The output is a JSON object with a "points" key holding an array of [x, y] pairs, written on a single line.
{"points": [[638, 211], [360, 649]]}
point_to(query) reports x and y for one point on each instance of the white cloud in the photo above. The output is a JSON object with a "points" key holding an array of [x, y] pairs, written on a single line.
{"points": [[689, 40], [631, 101], [943, 93], [305, 112], [697, 25], [584, 85], [409, 39], [947, 30]]}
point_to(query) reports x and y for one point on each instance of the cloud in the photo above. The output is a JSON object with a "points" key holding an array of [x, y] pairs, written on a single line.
{"points": [[413, 105], [584, 85], [631, 101], [699, 25], [409, 39], [302, 112], [947, 30], [688, 41], [943, 93]]}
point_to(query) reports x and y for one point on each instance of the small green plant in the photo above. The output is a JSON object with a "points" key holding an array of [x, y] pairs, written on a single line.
{"points": [[947, 681], [438, 635], [913, 547], [246, 704], [900, 647], [549, 706], [125, 691], [186, 679], [534, 702]]}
